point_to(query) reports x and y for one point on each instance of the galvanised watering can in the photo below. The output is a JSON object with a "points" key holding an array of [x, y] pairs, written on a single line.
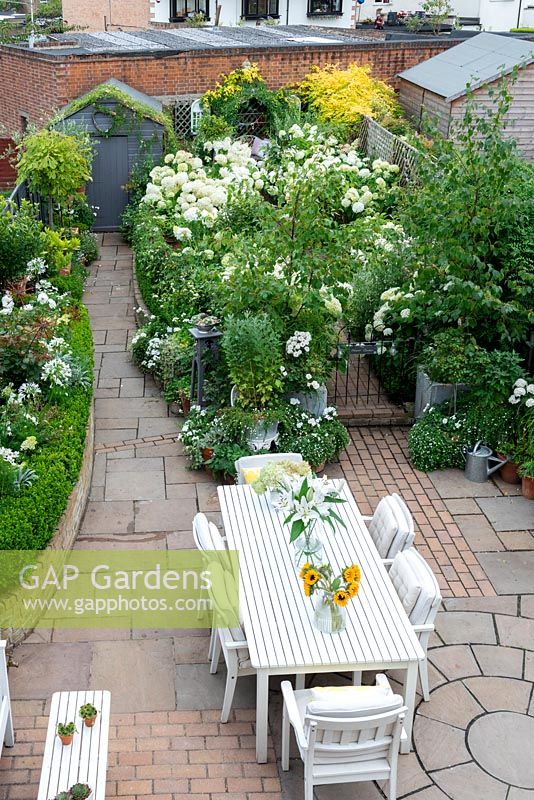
{"points": [[477, 463]]}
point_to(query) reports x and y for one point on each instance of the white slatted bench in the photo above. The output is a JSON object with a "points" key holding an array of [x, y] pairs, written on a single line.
{"points": [[83, 761], [6, 719]]}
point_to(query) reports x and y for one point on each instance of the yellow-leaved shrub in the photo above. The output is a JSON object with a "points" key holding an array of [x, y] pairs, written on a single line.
{"points": [[346, 95]]}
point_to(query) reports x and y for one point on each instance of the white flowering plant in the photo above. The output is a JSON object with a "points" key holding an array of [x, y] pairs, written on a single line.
{"points": [[318, 439]]}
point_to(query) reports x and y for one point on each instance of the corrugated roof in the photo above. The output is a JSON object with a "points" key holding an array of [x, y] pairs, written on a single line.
{"points": [[178, 40], [476, 61]]}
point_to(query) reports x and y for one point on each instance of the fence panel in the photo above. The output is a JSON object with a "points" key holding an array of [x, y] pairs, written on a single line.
{"points": [[377, 142]]}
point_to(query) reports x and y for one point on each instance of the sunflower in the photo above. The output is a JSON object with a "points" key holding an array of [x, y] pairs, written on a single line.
{"points": [[304, 570], [352, 574], [307, 589], [341, 597], [353, 588], [311, 577]]}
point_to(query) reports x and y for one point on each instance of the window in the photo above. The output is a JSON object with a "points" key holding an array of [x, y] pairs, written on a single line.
{"points": [[254, 9], [324, 7], [181, 9]]}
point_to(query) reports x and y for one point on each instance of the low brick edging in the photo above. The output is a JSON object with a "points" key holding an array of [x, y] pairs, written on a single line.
{"points": [[70, 520]]}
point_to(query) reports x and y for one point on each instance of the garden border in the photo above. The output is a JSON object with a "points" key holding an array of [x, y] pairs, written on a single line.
{"points": [[69, 523]]}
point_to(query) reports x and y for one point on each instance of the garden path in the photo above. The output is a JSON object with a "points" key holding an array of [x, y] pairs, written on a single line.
{"points": [[472, 738]]}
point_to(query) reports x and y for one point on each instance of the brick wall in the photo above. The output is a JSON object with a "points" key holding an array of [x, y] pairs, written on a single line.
{"points": [[96, 15], [8, 176], [39, 84]]}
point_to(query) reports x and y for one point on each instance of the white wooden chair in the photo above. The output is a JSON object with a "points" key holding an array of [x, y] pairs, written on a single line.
{"points": [[420, 596], [257, 462], [207, 538], [344, 734], [390, 527], [230, 641], [6, 718]]}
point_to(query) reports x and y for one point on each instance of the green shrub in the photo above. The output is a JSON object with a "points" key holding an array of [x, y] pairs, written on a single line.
{"points": [[20, 241], [28, 521], [88, 247]]}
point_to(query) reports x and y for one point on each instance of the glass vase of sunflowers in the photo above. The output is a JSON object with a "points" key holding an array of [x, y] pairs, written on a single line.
{"points": [[331, 594]]}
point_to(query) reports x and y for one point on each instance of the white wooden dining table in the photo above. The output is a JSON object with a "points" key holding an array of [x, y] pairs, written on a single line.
{"points": [[278, 618]]}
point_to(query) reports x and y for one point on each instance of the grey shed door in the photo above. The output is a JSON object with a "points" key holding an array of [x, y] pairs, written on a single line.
{"points": [[110, 174]]}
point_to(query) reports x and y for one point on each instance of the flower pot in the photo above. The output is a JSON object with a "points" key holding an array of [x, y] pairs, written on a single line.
{"points": [[65, 740], [175, 408], [89, 721], [527, 487], [262, 435], [185, 402], [509, 471], [327, 616], [314, 400], [207, 453], [428, 393], [66, 270], [318, 468], [174, 243]]}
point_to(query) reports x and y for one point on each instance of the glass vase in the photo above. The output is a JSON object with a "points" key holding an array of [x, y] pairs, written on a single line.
{"points": [[308, 548], [328, 617]]}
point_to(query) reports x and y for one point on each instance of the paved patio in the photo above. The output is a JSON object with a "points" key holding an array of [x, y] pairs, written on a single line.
{"points": [[473, 739]]}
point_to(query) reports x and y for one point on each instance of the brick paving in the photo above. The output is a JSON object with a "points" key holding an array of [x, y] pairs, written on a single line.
{"points": [[166, 741]]}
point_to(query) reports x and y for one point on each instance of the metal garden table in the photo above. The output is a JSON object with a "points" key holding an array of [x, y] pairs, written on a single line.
{"points": [[277, 617]]}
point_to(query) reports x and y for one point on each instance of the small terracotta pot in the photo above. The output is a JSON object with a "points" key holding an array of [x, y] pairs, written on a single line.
{"points": [[65, 740], [186, 403], [508, 471], [207, 453], [89, 721], [319, 467], [527, 488], [66, 270], [174, 243]]}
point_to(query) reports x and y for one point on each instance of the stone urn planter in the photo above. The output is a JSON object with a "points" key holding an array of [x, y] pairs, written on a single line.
{"points": [[315, 400], [428, 393]]}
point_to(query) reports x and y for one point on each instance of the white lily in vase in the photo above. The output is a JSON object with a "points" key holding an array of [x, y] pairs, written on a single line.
{"points": [[308, 503]]}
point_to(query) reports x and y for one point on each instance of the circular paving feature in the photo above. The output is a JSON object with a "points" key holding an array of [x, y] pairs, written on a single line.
{"points": [[502, 743]]}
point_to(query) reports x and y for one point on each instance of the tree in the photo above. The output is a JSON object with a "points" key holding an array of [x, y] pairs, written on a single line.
{"points": [[55, 164]]}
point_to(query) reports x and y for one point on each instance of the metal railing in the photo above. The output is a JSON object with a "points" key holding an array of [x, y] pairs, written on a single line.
{"points": [[22, 193], [377, 372]]}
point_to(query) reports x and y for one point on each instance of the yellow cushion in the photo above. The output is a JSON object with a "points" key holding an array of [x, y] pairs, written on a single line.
{"points": [[251, 474]]}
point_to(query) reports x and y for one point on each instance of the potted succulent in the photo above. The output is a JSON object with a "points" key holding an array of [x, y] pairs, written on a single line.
{"points": [[88, 713], [80, 791], [63, 796], [526, 473], [66, 731], [205, 322]]}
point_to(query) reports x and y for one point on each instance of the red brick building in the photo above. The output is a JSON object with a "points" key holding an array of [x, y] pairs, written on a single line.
{"points": [[174, 62]]}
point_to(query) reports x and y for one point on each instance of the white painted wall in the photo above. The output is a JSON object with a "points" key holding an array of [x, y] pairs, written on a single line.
{"points": [[495, 15]]}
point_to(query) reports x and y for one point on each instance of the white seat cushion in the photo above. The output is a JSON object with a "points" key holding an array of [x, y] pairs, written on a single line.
{"points": [[406, 581], [201, 526], [383, 527], [425, 607], [352, 701]]}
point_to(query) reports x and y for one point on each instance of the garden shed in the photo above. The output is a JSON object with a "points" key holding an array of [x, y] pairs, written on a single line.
{"points": [[127, 126], [438, 87]]}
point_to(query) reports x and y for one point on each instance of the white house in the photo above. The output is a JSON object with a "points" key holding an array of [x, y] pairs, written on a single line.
{"points": [[331, 13]]}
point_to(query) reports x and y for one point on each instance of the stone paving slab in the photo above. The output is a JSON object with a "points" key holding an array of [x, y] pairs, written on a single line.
{"points": [[452, 483], [508, 513], [138, 673], [510, 573]]}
